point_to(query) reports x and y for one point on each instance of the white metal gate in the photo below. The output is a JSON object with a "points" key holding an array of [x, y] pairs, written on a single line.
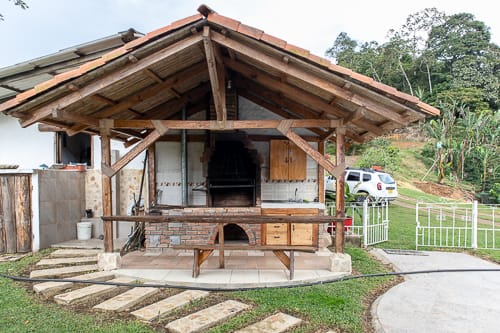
{"points": [[370, 220], [458, 225]]}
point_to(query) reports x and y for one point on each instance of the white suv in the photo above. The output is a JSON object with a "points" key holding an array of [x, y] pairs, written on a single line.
{"points": [[376, 185]]}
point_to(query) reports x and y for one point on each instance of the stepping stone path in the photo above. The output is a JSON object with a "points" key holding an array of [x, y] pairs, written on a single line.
{"points": [[49, 289], [92, 291], [164, 307], [203, 319], [62, 272], [199, 321], [72, 253], [128, 299], [67, 261], [276, 323]]}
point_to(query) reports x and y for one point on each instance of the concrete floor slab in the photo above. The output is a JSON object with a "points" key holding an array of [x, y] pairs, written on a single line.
{"points": [[277, 323], [203, 319], [128, 299], [164, 307]]}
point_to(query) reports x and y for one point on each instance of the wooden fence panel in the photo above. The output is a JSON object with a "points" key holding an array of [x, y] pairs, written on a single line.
{"points": [[8, 213], [15, 213], [23, 212]]}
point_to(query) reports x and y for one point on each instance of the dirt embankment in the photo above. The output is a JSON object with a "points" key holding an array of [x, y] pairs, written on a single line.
{"points": [[444, 191]]}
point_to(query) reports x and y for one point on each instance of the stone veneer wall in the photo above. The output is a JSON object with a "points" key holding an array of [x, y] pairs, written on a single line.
{"points": [[160, 236], [129, 184]]}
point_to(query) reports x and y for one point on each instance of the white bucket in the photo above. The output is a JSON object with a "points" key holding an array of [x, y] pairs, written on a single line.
{"points": [[84, 230]]}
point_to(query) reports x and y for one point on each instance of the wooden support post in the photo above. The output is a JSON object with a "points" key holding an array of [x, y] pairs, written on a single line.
{"points": [[107, 207], [340, 181], [321, 174], [221, 245], [152, 175]]}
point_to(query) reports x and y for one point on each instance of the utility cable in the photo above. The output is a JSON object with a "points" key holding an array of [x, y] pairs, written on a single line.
{"points": [[305, 284]]}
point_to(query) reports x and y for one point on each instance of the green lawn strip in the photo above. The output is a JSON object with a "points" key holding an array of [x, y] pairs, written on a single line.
{"points": [[21, 312], [339, 305]]}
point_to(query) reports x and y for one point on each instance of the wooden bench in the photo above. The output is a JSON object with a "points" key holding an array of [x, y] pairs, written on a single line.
{"points": [[203, 251]]}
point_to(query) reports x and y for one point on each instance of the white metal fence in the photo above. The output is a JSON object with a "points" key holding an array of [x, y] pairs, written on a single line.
{"points": [[370, 220], [458, 225]]}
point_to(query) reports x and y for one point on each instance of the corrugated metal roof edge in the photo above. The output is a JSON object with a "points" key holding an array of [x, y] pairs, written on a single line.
{"points": [[257, 34], [106, 58]]}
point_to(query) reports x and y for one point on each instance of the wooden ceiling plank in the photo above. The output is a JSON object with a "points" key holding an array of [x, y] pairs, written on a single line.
{"points": [[103, 99], [153, 75], [216, 74], [275, 109], [304, 97], [307, 77], [103, 82]]}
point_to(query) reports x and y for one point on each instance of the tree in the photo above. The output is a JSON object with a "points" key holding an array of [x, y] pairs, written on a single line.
{"points": [[20, 3]]}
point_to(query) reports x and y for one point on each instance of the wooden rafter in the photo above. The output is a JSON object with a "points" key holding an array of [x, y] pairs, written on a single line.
{"points": [[305, 98], [313, 153], [103, 82], [136, 150], [216, 73], [308, 77]]}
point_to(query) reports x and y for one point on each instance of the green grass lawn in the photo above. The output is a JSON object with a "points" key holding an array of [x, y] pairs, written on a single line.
{"points": [[341, 305], [21, 312]]}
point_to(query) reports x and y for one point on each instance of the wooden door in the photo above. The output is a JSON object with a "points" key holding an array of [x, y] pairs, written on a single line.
{"points": [[301, 234], [278, 159], [297, 158], [15, 213]]}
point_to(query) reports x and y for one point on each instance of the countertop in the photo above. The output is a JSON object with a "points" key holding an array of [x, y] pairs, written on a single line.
{"points": [[290, 204]]}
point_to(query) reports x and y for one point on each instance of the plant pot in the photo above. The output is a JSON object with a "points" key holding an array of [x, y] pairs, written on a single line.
{"points": [[347, 225]]}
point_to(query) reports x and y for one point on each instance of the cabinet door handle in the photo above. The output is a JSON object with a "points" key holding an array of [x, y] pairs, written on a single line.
{"points": [[276, 237]]}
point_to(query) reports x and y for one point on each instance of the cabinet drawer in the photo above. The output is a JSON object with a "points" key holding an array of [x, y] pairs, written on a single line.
{"points": [[276, 239]]}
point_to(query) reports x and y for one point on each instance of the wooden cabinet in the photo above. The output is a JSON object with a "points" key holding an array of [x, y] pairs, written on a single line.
{"points": [[286, 161], [296, 234], [276, 234]]}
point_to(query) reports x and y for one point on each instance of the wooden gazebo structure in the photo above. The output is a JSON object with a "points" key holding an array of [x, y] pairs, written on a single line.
{"points": [[146, 90]]}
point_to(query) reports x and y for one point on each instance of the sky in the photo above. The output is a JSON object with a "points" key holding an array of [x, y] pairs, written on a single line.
{"points": [[48, 26]]}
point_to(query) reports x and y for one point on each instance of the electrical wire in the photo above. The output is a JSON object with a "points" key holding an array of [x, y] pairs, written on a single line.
{"points": [[304, 284]]}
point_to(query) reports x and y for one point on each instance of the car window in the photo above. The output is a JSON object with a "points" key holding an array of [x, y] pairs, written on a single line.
{"points": [[367, 177], [353, 176], [386, 178]]}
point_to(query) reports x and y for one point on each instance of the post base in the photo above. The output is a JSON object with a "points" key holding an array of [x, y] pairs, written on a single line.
{"points": [[340, 262], [109, 261]]}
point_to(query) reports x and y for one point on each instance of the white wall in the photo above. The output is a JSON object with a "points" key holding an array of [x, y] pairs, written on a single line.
{"points": [[26, 147], [136, 163]]}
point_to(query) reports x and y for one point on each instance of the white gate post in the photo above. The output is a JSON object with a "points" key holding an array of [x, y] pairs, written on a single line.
{"points": [[474, 224], [365, 223]]}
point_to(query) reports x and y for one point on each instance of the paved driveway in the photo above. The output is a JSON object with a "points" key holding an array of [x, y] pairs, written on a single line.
{"points": [[440, 302]]}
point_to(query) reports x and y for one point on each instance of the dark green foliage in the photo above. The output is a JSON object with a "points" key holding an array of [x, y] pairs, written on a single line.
{"points": [[380, 152]]}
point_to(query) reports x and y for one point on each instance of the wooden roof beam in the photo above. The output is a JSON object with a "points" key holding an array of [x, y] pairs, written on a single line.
{"points": [[105, 81], [216, 73], [160, 130], [336, 171], [274, 108], [214, 124], [296, 94], [308, 77]]}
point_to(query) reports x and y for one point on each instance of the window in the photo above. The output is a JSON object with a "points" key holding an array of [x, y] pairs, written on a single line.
{"points": [[367, 177], [353, 176], [74, 149], [386, 179]]}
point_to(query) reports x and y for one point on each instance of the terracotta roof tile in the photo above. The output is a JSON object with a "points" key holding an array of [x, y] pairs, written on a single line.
{"points": [[250, 31], [224, 21], [185, 21], [297, 50], [319, 60], [275, 41], [340, 69]]}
